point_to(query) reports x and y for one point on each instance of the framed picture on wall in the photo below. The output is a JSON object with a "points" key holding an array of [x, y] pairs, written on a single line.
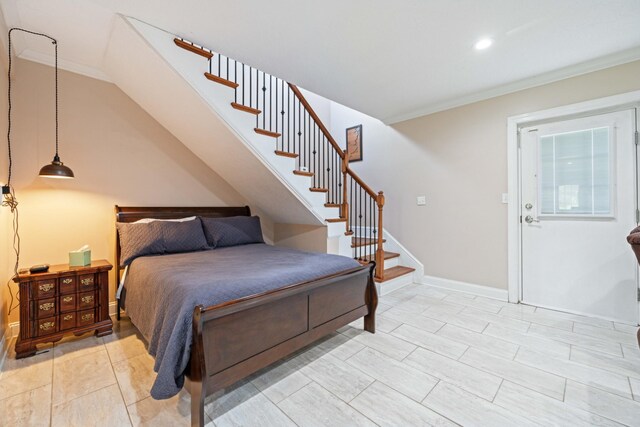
{"points": [[354, 143]]}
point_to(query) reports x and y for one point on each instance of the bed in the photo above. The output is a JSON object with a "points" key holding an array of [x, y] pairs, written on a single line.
{"points": [[258, 320]]}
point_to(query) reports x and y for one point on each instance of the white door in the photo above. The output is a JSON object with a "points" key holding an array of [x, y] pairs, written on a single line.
{"points": [[579, 203]]}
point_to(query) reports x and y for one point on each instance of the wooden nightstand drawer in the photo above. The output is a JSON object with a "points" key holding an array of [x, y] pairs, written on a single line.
{"points": [[43, 288], [62, 301], [46, 326], [67, 285], [86, 317], [67, 321], [68, 302], [87, 282], [86, 300], [45, 308]]}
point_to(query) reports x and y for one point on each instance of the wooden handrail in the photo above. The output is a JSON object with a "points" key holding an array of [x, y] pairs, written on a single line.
{"points": [[359, 180], [315, 117]]}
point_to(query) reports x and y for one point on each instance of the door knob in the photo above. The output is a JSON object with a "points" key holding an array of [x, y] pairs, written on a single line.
{"points": [[528, 206], [529, 219]]}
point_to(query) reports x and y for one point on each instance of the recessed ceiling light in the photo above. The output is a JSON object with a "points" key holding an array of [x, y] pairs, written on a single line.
{"points": [[483, 44]]}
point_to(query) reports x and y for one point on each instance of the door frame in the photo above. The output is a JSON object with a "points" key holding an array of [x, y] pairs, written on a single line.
{"points": [[514, 123]]}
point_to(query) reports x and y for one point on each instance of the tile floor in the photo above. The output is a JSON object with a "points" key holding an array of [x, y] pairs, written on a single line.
{"points": [[439, 358]]}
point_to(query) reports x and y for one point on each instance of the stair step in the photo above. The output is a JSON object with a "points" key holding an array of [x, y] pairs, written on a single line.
{"points": [[356, 242], [336, 220], [286, 154], [332, 205], [395, 272], [267, 132], [246, 109], [319, 190], [387, 255], [348, 233], [191, 48], [220, 80], [303, 173]]}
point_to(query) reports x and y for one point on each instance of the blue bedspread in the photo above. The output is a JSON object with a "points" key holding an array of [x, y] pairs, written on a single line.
{"points": [[162, 291]]}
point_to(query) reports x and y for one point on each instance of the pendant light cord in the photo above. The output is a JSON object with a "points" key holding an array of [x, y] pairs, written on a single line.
{"points": [[55, 43], [9, 199]]}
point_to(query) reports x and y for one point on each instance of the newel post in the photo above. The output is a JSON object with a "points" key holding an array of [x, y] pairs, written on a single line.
{"points": [[344, 208], [380, 250]]}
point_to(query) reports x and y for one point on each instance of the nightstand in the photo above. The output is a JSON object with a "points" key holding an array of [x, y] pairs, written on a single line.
{"points": [[62, 301]]}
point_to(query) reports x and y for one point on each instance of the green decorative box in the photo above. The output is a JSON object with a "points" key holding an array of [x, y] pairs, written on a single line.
{"points": [[79, 258]]}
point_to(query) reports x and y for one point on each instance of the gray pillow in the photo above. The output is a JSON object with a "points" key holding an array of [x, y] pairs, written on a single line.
{"points": [[139, 240], [232, 231], [184, 236]]}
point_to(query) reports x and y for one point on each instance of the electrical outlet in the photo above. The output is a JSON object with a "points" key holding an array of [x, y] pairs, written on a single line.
{"points": [[421, 200]]}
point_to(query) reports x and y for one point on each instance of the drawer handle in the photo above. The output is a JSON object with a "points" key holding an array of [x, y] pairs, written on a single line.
{"points": [[46, 306], [87, 299], [67, 281], [88, 281], [45, 287], [86, 317], [67, 299], [47, 325], [68, 317]]}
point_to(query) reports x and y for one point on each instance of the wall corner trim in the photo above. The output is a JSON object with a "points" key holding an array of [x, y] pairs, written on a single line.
{"points": [[470, 288]]}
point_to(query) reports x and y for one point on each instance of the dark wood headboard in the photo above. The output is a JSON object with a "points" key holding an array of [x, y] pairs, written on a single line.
{"points": [[132, 214]]}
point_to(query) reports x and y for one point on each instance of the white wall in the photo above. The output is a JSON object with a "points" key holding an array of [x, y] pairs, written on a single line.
{"points": [[458, 160]]}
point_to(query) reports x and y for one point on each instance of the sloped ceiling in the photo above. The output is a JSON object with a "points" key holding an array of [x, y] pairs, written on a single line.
{"points": [[393, 60]]}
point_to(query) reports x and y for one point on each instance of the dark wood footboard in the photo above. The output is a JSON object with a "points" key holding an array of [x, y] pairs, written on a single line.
{"points": [[233, 340]]}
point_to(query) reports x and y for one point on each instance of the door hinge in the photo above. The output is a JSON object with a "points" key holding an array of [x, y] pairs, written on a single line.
{"points": [[638, 294], [637, 216], [520, 219], [637, 138]]}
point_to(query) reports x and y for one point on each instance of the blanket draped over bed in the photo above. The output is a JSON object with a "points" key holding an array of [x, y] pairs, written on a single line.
{"points": [[162, 292]]}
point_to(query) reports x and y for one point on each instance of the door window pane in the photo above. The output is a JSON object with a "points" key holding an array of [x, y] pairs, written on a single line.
{"points": [[575, 173]]}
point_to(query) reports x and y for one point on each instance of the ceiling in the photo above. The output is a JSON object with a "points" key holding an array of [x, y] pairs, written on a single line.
{"points": [[393, 60]]}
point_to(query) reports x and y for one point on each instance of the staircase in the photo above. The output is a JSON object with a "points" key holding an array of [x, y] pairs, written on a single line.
{"points": [[277, 151], [283, 115]]}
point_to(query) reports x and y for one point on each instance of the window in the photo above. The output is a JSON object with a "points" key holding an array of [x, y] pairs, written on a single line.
{"points": [[575, 173]]}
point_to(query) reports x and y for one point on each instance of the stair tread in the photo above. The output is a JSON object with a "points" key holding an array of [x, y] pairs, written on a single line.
{"points": [[319, 190], [245, 108], [303, 173], [267, 132], [336, 220], [191, 48], [285, 154], [348, 233], [363, 241], [395, 272], [387, 255], [332, 205], [220, 80]]}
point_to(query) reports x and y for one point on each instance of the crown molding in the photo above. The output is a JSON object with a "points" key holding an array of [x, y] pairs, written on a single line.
{"points": [[42, 58], [597, 64]]}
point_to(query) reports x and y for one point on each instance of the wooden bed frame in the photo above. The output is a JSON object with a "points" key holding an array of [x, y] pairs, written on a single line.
{"points": [[237, 338]]}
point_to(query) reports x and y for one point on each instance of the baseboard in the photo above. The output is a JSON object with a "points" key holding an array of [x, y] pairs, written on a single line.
{"points": [[14, 329], [113, 307], [470, 288], [4, 348]]}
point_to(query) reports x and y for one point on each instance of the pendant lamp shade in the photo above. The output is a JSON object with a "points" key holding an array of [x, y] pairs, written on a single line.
{"points": [[56, 169]]}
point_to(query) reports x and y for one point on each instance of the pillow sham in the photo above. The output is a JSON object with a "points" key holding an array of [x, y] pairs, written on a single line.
{"points": [[232, 231], [159, 237], [182, 236], [139, 240]]}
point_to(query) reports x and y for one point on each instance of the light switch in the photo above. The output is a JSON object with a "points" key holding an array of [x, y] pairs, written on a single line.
{"points": [[505, 198], [421, 200]]}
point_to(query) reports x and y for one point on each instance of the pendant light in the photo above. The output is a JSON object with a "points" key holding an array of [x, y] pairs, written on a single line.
{"points": [[56, 169]]}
